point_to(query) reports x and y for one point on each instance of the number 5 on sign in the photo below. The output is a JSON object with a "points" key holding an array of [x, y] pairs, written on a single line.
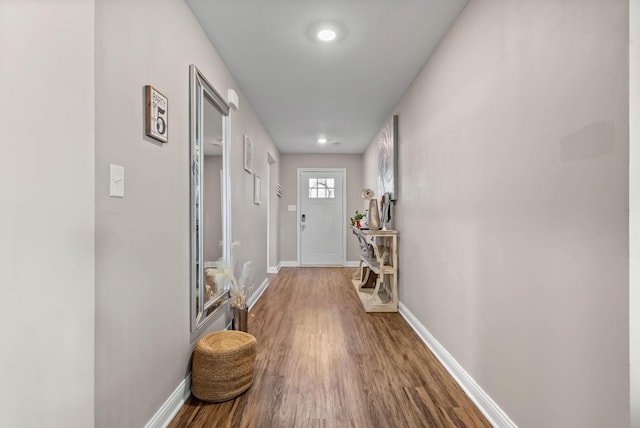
{"points": [[157, 114]]}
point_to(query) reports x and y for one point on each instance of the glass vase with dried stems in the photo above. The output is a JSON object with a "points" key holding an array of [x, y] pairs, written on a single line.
{"points": [[239, 289]]}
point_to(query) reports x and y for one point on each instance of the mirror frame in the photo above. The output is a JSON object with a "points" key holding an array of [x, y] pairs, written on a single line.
{"points": [[200, 90]]}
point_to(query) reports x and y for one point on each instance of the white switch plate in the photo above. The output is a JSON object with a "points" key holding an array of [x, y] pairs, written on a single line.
{"points": [[116, 181], [292, 207]]}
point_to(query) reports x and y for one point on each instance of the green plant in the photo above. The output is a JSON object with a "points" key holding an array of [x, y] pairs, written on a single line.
{"points": [[359, 216]]}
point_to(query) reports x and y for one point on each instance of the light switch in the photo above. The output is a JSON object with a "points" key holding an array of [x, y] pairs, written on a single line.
{"points": [[116, 181], [292, 208]]}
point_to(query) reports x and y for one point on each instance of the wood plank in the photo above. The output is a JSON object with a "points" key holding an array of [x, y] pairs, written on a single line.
{"points": [[323, 362]]}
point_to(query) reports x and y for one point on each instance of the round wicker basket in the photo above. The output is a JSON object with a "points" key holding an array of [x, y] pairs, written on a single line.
{"points": [[223, 364]]}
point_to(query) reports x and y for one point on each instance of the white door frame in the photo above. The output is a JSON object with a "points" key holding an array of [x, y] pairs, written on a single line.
{"points": [[342, 171], [270, 162]]}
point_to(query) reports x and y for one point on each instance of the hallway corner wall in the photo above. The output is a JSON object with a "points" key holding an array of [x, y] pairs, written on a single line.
{"points": [[47, 213], [289, 179]]}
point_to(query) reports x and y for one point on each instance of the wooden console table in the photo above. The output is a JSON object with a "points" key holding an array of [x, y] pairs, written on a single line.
{"points": [[379, 265]]}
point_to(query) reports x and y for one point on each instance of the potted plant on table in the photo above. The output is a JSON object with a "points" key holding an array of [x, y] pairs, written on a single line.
{"points": [[355, 220]]}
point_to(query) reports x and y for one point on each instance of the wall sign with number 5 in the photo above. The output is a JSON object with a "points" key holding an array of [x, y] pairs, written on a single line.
{"points": [[156, 115]]}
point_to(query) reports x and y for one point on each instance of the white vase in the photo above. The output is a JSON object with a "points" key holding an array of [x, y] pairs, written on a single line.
{"points": [[374, 215]]}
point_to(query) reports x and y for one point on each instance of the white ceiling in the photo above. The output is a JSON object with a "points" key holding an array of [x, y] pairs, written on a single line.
{"points": [[302, 88]]}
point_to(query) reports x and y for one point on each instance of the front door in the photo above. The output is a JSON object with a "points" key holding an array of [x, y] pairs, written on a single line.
{"points": [[321, 217]]}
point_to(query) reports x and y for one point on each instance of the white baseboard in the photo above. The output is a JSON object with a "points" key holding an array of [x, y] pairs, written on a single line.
{"points": [[170, 408], [290, 264], [258, 293], [176, 400], [274, 269], [294, 263], [496, 416]]}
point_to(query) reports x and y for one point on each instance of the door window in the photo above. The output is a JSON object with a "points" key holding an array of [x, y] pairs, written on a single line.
{"points": [[322, 188]]}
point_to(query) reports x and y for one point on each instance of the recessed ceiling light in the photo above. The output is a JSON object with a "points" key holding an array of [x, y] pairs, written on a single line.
{"points": [[326, 32], [322, 140], [327, 35]]}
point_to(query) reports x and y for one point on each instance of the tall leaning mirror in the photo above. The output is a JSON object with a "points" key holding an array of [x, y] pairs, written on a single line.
{"points": [[210, 219]]}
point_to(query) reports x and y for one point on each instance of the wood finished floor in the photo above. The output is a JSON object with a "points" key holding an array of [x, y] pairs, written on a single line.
{"points": [[323, 362]]}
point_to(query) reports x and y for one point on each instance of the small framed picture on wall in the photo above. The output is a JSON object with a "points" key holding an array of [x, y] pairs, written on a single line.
{"points": [[248, 154], [257, 189], [156, 124]]}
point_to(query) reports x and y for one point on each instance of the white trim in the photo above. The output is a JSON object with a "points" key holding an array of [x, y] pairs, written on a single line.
{"points": [[297, 218], [342, 171], [351, 263], [496, 416], [273, 269], [170, 408], [634, 211], [258, 293], [270, 161], [293, 263], [268, 211]]}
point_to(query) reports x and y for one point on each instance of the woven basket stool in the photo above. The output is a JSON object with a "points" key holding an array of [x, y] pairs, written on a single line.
{"points": [[223, 364]]}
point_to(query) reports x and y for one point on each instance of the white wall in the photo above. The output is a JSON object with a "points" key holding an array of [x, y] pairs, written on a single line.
{"points": [[212, 230], [288, 176], [47, 213], [143, 344], [249, 221], [370, 167], [513, 206], [634, 208]]}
